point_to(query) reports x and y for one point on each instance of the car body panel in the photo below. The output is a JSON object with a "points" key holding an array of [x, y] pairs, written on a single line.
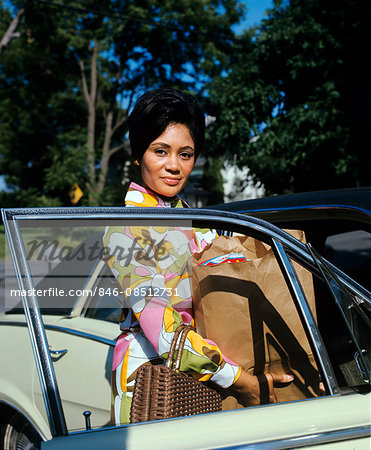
{"points": [[95, 362], [21, 388], [79, 336]]}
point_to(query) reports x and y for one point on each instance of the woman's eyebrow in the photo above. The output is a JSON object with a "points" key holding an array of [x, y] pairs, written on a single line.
{"points": [[163, 144]]}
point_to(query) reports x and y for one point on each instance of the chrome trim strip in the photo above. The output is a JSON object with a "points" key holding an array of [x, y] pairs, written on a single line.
{"points": [[305, 313], [66, 330], [37, 334], [14, 324], [325, 437], [82, 334]]}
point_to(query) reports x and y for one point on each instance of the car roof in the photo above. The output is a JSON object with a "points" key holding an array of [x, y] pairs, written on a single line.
{"points": [[339, 209], [354, 198]]}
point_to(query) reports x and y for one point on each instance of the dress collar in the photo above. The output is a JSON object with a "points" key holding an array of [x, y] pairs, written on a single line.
{"points": [[142, 197]]}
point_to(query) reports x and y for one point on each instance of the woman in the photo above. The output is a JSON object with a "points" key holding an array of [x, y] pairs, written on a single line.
{"points": [[166, 131]]}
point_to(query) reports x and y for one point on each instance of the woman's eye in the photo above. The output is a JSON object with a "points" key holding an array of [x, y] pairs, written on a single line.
{"points": [[160, 151], [186, 155]]}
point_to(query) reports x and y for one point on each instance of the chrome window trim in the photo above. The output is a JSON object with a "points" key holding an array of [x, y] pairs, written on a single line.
{"points": [[13, 323], [306, 316], [44, 365], [82, 334]]}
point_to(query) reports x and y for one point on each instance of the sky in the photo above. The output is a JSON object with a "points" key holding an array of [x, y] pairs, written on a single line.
{"points": [[254, 14]]}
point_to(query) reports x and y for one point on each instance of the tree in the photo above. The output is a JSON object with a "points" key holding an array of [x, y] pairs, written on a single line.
{"points": [[11, 32], [102, 58], [294, 104], [39, 112], [212, 180]]}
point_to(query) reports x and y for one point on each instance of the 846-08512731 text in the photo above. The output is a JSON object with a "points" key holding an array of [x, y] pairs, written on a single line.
{"points": [[140, 292]]}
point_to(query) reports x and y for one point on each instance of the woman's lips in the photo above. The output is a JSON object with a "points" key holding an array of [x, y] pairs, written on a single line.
{"points": [[170, 181]]}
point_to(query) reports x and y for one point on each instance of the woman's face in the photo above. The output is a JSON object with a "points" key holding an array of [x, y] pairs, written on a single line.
{"points": [[168, 161]]}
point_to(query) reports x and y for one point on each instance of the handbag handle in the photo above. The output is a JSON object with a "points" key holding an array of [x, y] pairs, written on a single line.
{"points": [[183, 331], [183, 336]]}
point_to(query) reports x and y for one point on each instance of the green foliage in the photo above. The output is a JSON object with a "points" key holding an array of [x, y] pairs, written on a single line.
{"points": [[25, 197], [212, 180], [141, 44], [294, 105], [35, 100]]}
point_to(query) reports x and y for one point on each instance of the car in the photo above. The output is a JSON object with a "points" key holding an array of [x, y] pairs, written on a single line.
{"points": [[60, 321]]}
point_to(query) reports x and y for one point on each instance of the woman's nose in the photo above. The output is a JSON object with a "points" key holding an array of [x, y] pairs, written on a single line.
{"points": [[172, 163]]}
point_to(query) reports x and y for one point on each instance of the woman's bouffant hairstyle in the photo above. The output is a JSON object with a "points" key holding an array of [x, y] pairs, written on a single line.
{"points": [[158, 108]]}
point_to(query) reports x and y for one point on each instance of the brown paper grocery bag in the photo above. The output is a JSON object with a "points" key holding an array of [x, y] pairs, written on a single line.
{"points": [[247, 310]]}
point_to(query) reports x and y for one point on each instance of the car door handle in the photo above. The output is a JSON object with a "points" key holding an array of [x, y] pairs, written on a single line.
{"points": [[57, 352]]}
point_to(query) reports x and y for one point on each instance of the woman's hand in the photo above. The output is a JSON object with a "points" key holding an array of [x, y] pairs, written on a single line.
{"points": [[257, 390]]}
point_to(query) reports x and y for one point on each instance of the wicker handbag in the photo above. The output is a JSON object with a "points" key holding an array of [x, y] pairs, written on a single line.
{"points": [[162, 392]]}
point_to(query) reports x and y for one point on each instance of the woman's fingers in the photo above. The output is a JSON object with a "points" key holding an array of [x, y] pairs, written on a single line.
{"points": [[258, 390], [281, 378], [276, 379]]}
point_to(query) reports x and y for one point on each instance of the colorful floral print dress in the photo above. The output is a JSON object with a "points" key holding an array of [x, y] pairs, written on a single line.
{"points": [[153, 273]]}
